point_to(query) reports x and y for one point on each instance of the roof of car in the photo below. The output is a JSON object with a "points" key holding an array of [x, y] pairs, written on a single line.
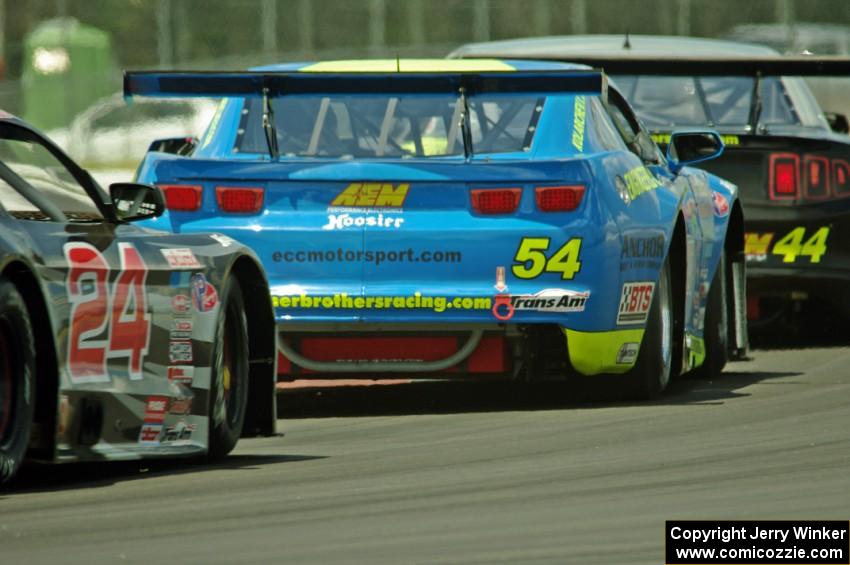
{"points": [[615, 45], [419, 65]]}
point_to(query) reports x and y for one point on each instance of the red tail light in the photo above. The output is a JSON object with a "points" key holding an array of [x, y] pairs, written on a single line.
{"points": [[784, 176], [817, 177], [239, 200], [559, 198], [495, 200], [182, 197], [841, 177]]}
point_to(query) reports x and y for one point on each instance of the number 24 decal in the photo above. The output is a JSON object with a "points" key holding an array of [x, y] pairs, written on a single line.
{"points": [[122, 313], [533, 259]]}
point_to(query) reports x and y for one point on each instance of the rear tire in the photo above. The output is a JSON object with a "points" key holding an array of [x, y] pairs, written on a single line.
{"points": [[654, 367], [17, 379], [716, 332], [229, 380]]}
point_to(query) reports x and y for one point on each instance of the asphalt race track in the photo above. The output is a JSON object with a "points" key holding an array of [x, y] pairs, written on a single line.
{"points": [[464, 472]]}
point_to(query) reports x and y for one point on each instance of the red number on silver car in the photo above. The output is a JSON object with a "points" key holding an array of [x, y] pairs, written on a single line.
{"points": [[123, 316]]}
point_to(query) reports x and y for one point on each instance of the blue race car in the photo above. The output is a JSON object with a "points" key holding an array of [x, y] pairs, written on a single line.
{"points": [[492, 218]]}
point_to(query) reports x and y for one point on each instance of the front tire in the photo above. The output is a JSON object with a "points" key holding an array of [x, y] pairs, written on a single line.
{"points": [[17, 379], [654, 367], [229, 382]]}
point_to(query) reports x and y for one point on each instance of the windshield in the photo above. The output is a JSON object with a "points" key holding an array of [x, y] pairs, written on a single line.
{"points": [[346, 126], [666, 102], [33, 181]]}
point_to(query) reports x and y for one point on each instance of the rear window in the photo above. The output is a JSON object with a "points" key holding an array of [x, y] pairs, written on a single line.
{"points": [[379, 126], [666, 102]]}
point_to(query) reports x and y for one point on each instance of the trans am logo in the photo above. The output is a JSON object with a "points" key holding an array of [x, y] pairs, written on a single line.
{"points": [[549, 300]]}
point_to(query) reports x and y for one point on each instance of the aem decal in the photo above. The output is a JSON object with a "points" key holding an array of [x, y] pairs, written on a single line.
{"points": [[532, 258], [372, 195], [757, 246], [635, 301]]}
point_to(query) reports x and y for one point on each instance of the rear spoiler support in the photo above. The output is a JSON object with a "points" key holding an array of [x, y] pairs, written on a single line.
{"points": [[268, 126]]}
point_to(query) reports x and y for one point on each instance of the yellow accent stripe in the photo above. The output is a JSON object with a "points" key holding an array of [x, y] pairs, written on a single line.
{"points": [[408, 66], [592, 353]]}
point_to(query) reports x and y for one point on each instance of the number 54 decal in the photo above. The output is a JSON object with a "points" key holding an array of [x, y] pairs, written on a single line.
{"points": [[533, 258], [106, 324], [792, 245]]}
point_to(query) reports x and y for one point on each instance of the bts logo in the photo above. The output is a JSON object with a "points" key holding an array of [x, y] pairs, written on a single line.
{"points": [[635, 302]]}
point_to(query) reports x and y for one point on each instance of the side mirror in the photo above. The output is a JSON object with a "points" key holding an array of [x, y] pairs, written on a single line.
{"points": [[175, 145], [689, 147], [134, 201], [837, 122]]}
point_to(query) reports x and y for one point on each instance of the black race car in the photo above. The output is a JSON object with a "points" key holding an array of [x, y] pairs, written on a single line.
{"points": [[119, 342], [789, 158]]}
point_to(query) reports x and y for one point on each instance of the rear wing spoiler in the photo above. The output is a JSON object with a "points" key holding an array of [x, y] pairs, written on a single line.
{"points": [[216, 84], [627, 63]]}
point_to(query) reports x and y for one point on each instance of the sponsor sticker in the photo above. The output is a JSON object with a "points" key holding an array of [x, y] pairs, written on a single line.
{"points": [[635, 301], [181, 329], [181, 374], [182, 405], [178, 434], [549, 300], [721, 205], [642, 252], [180, 303], [372, 195], [223, 240], [181, 258], [500, 279], [155, 409], [342, 221], [180, 351], [628, 353], [149, 434], [204, 296]]}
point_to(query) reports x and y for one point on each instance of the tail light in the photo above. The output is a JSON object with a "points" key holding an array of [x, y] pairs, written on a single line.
{"points": [[182, 197], [239, 200], [841, 177], [784, 176], [495, 200], [559, 198], [817, 177]]}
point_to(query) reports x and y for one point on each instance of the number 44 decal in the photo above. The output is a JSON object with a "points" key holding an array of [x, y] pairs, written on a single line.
{"points": [[120, 316], [792, 245]]}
